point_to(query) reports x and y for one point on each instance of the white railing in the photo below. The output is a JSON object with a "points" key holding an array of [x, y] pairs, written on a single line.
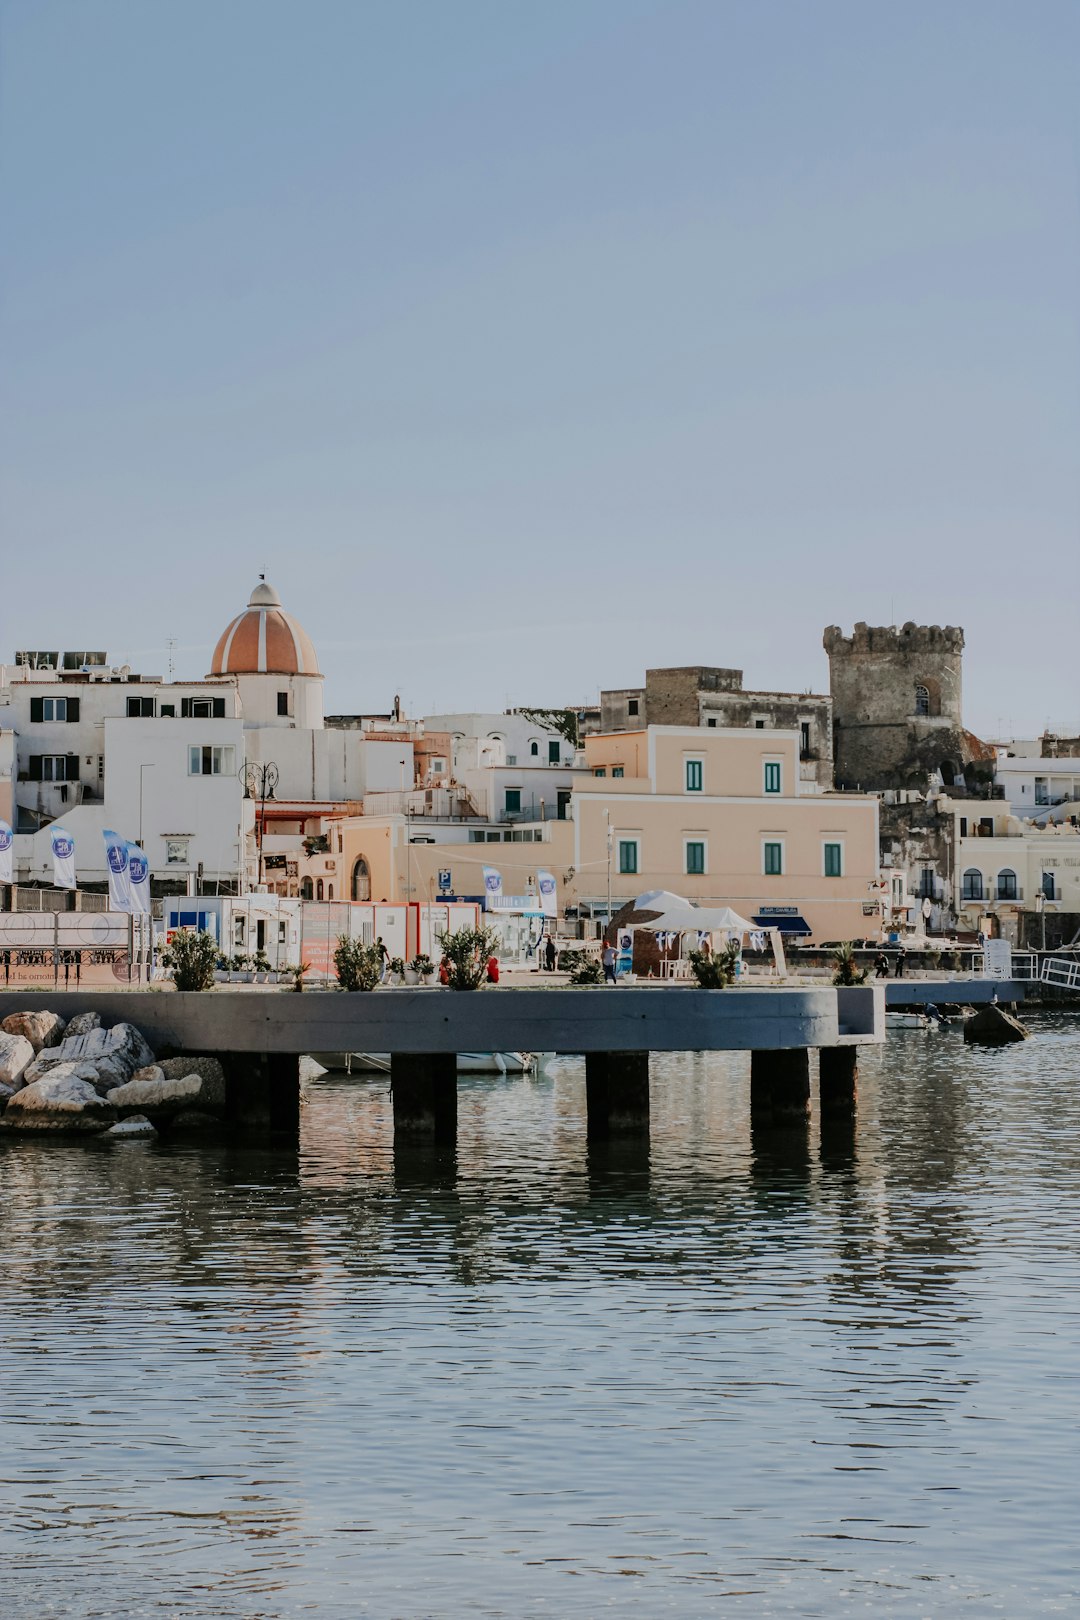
{"points": [[1062, 971]]}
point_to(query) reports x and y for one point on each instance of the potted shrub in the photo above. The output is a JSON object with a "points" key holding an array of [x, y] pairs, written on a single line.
{"points": [[467, 951], [586, 969], [358, 966], [421, 970], [221, 969], [846, 971], [297, 974], [261, 964], [395, 969], [715, 970], [241, 969], [192, 959]]}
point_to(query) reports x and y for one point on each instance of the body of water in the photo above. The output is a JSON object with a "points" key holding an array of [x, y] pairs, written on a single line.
{"points": [[791, 1374]]}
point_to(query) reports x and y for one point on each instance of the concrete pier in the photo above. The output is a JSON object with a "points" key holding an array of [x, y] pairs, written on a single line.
{"points": [[616, 1093], [838, 1073], [780, 1087], [423, 1086], [262, 1093]]}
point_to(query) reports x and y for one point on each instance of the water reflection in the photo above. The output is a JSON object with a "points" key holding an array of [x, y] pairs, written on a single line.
{"points": [[823, 1370]]}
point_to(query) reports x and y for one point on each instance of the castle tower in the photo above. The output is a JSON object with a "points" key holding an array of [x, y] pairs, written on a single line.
{"points": [[897, 706]]}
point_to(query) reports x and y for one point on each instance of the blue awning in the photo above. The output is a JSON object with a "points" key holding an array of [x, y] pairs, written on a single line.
{"points": [[788, 922]]}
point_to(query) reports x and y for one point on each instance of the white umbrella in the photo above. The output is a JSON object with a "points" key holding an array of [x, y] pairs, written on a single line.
{"points": [[675, 913]]}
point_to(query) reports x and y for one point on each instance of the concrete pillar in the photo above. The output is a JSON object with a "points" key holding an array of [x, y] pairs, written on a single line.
{"points": [[424, 1090], [838, 1069], [780, 1087], [616, 1092], [262, 1093], [283, 1093]]}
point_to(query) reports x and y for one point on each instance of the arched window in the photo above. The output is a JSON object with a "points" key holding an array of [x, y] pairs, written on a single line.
{"points": [[922, 700], [361, 879], [534, 747], [329, 891], [949, 772], [972, 888], [1006, 884], [319, 889], [306, 890]]}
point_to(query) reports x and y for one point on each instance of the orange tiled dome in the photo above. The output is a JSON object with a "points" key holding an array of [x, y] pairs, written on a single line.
{"points": [[264, 640]]}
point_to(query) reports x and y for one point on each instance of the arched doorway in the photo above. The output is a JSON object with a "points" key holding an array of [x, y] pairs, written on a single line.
{"points": [[319, 889], [361, 879], [307, 890]]}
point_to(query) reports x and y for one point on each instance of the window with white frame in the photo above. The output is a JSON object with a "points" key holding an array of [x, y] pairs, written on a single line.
{"points": [[694, 857], [772, 857], [54, 708], [213, 759], [629, 856], [176, 851], [832, 858], [695, 775], [773, 778]]}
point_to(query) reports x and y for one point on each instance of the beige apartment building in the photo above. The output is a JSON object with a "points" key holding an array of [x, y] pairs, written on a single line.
{"points": [[715, 815]]}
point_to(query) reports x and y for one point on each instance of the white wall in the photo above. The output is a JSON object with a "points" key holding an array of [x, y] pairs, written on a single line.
{"points": [[515, 731]]}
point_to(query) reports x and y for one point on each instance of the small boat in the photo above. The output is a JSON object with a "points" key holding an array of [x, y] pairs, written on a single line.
{"points": [[908, 1020]]}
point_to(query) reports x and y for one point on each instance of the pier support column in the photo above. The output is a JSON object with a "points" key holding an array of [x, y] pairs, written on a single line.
{"points": [[424, 1089], [780, 1087], [616, 1093], [838, 1068], [262, 1093]]}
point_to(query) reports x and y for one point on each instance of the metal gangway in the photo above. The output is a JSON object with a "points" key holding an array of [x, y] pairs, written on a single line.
{"points": [[1060, 971]]}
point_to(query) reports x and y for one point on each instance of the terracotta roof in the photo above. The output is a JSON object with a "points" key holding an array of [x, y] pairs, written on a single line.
{"points": [[264, 640]]}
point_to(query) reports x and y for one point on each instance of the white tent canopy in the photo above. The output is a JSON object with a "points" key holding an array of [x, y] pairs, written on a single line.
{"points": [[675, 913]]}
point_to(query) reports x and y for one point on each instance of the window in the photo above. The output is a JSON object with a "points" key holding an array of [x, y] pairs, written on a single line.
{"points": [[361, 879], [282, 933], [283, 703], [218, 759], [926, 883], [695, 856], [759, 725], [238, 931], [972, 886], [54, 708], [694, 775], [168, 710], [176, 851], [202, 708], [438, 766], [773, 859], [140, 708], [329, 891], [1048, 886], [632, 707], [1006, 884], [601, 770], [307, 889], [511, 759], [628, 855], [513, 801], [772, 776], [617, 770], [534, 749], [834, 860], [712, 720], [319, 889], [554, 748], [922, 700], [804, 737], [963, 826], [54, 768]]}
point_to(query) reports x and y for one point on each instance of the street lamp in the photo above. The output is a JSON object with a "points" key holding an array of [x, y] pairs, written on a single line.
{"points": [[610, 843], [259, 780]]}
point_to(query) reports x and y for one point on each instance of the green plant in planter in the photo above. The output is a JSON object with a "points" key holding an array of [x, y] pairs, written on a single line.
{"points": [[846, 971], [422, 964], [396, 965], [715, 971], [240, 963], [586, 970], [192, 957], [298, 975], [468, 950], [261, 962], [358, 966]]}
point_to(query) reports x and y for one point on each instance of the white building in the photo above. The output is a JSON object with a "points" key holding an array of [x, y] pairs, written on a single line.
{"points": [[513, 767]]}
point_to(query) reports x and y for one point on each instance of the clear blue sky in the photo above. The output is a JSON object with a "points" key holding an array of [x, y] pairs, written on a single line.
{"points": [[525, 345]]}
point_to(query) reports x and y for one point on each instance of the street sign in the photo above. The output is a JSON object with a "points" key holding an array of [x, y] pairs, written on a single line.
{"points": [[444, 879]]}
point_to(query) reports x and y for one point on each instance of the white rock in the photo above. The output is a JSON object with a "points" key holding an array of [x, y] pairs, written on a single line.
{"points": [[39, 1028], [115, 1053], [83, 1023], [161, 1098], [132, 1128], [16, 1056], [63, 1101]]}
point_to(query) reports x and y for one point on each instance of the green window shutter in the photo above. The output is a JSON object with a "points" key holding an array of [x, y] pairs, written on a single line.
{"points": [[774, 860], [772, 776], [695, 859], [833, 860], [37, 710], [628, 857], [693, 776]]}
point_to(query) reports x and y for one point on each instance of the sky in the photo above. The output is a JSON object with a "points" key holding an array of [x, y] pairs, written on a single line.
{"points": [[528, 346]]}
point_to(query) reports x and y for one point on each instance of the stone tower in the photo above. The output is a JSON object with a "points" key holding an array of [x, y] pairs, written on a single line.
{"points": [[897, 706]]}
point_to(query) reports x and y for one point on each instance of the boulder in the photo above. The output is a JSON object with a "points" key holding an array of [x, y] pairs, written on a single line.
{"points": [[39, 1028], [115, 1053], [993, 1026], [173, 1087], [83, 1023], [132, 1129], [65, 1100], [16, 1056], [5, 1093]]}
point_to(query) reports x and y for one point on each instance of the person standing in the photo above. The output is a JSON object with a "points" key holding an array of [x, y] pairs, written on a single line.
{"points": [[492, 969], [901, 958], [550, 954], [607, 957]]}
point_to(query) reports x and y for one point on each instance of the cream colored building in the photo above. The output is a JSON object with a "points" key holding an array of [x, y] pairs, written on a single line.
{"points": [[1005, 866], [715, 815]]}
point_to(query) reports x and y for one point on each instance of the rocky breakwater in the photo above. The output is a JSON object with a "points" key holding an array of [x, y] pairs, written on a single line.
{"points": [[83, 1079]]}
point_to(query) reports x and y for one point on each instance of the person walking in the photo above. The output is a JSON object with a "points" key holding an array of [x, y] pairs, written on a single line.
{"points": [[901, 958], [881, 965], [550, 954], [607, 957]]}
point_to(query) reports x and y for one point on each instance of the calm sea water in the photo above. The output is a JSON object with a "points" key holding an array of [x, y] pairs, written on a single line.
{"points": [[725, 1375]]}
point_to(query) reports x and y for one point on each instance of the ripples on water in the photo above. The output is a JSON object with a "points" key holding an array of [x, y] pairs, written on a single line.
{"points": [[773, 1377]]}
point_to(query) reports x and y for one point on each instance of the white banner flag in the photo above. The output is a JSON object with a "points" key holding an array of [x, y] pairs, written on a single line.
{"points": [[7, 854], [63, 859], [492, 887], [116, 862], [548, 903], [139, 880]]}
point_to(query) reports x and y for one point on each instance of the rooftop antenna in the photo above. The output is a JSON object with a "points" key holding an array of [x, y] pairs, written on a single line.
{"points": [[171, 645]]}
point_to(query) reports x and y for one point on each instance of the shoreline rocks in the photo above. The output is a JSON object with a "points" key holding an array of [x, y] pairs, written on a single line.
{"points": [[39, 1028], [16, 1056], [65, 1100], [993, 1026]]}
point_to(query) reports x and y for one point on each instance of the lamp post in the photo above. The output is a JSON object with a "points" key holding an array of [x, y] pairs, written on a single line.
{"points": [[610, 842], [146, 767], [259, 778]]}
